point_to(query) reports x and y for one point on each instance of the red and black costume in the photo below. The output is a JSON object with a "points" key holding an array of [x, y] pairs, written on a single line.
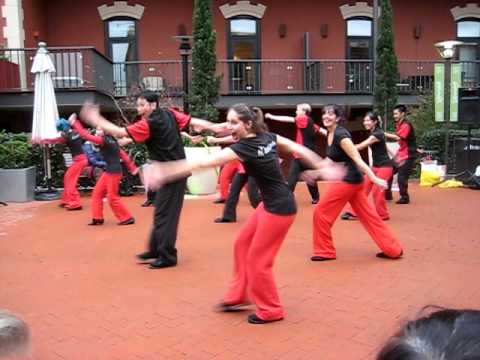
{"points": [[262, 235], [161, 134], [382, 167], [305, 136], [350, 189], [226, 176], [109, 182], [405, 158], [71, 197]]}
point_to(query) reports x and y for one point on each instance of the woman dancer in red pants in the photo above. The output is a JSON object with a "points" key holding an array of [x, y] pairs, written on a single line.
{"points": [[341, 149], [261, 237], [71, 197], [382, 166], [109, 182]]}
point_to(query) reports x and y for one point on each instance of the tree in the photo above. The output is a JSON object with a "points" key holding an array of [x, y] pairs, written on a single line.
{"points": [[204, 88], [386, 67]]}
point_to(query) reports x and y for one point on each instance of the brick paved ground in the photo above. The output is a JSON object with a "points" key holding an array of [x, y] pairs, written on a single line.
{"points": [[84, 296]]}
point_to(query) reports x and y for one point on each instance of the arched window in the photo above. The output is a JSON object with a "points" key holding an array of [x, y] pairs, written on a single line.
{"points": [[244, 44], [359, 47], [121, 46]]}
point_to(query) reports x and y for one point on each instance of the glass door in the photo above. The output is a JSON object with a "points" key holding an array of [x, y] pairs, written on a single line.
{"points": [[359, 74]]}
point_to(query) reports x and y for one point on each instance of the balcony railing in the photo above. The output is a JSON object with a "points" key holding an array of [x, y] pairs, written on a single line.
{"points": [[76, 68], [85, 68]]}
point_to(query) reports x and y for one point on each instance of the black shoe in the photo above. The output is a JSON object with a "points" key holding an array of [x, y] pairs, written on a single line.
{"points": [[96, 222], [223, 220], [147, 203], [321, 258], [160, 264], [315, 201], [226, 307], [147, 255], [127, 222], [73, 209], [254, 319], [403, 200], [348, 216], [382, 255], [220, 201], [62, 205], [388, 195]]}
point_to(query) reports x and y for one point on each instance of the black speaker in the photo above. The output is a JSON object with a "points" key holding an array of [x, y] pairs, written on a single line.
{"points": [[467, 159], [469, 106]]}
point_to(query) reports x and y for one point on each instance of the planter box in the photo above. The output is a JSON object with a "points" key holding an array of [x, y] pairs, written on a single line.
{"points": [[202, 182], [17, 185]]}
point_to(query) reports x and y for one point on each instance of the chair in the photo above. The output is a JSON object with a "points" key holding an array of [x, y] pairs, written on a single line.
{"points": [[153, 83]]}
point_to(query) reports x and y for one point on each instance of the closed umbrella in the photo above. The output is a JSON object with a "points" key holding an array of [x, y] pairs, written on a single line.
{"points": [[45, 113]]}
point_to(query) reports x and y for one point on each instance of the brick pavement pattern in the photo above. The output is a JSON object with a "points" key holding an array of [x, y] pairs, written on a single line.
{"points": [[84, 297]]}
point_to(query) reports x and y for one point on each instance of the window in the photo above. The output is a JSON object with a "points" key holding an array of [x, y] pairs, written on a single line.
{"points": [[121, 39], [243, 45], [468, 31], [359, 74]]}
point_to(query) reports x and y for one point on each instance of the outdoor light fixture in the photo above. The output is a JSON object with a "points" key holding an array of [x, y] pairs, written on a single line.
{"points": [[446, 49], [185, 50]]}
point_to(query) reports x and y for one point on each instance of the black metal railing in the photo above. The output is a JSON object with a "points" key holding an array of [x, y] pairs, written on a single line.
{"points": [[85, 67], [76, 68]]}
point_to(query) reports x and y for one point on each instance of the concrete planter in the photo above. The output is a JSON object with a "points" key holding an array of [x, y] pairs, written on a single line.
{"points": [[202, 182], [17, 185]]}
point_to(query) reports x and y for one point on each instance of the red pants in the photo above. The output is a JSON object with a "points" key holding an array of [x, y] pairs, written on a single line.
{"points": [[70, 196], [108, 184], [331, 204], [254, 253], [226, 175], [377, 192]]}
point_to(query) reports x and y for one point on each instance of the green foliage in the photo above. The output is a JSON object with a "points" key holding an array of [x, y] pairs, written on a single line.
{"points": [[422, 116], [15, 151], [386, 66], [205, 85]]}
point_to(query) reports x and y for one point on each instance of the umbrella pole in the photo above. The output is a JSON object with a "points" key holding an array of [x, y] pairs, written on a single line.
{"points": [[50, 193]]}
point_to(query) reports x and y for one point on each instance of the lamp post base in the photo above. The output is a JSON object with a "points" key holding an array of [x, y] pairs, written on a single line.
{"points": [[47, 195]]}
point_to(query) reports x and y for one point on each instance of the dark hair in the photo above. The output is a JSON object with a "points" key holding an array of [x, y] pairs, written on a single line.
{"points": [[374, 116], [254, 114], [336, 109], [150, 96], [445, 334], [401, 108]]}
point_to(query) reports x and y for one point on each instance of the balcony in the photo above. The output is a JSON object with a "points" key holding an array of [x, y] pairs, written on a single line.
{"points": [[85, 69]]}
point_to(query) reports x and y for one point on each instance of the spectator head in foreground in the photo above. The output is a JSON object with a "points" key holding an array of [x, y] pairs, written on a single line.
{"points": [[14, 337]]}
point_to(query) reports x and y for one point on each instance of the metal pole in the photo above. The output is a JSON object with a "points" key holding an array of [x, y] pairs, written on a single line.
{"points": [[375, 37], [447, 106], [185, 82]]}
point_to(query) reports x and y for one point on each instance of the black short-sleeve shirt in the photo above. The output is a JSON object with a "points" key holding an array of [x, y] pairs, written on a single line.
{"points": [[110, 151], [260, 159], [380, 156], [336, 153]]}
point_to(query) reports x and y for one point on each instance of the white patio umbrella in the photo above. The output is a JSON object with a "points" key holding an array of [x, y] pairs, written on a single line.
{"points": [[45, 111]]}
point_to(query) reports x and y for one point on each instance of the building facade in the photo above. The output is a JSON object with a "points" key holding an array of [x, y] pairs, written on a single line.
{"points": [[270, 53]]}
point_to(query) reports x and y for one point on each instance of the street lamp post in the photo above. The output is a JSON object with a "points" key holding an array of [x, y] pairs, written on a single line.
{"points": [[185, 50], [447, 52]]}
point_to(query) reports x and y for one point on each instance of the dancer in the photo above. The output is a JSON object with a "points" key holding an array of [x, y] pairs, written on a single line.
{"points": [[161, 134], [305, 135], [109, 182], [341, 149], [262, 235], [71, 197], [382, 166], [405, 157]]}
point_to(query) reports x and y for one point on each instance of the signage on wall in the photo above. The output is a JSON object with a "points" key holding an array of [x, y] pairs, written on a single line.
{"points": [[439, 91]]}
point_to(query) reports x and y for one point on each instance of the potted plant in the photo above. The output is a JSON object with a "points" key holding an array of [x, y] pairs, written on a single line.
{"points": [[17, 175], [202, 182]]}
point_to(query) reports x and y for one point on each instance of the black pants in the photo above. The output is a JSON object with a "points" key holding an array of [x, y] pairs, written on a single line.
{"points": [[238, 182], [151, 195], [168, 206], [404, 171], [294, 173]]}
